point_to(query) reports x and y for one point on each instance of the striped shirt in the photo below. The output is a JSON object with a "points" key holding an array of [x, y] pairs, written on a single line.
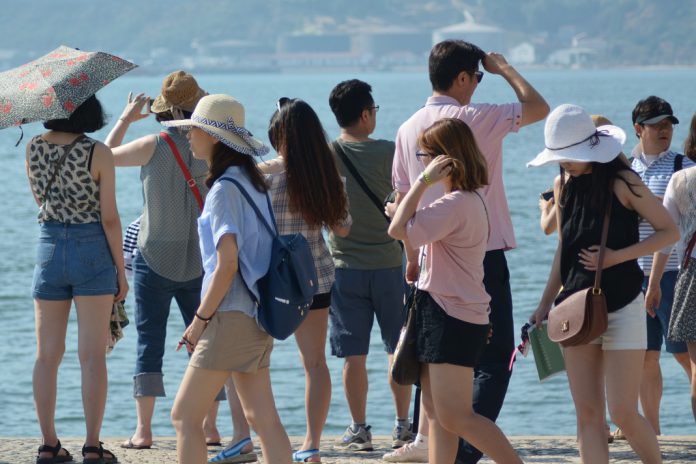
{"points": [[656, 175], [130, 246]]}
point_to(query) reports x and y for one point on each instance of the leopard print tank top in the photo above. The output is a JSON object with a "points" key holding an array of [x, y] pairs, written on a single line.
{"points": [[74, 196]]}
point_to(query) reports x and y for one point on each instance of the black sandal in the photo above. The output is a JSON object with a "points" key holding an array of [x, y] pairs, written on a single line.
{"points": [[100, 451], [54, 450]]}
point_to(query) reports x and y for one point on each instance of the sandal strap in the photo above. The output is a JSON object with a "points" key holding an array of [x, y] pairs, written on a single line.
{"points": [[302, 456], [51, 449], [93, 449]]}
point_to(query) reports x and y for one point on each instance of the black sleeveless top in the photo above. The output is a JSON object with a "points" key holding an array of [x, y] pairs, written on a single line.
{"points": [[582, 228]]}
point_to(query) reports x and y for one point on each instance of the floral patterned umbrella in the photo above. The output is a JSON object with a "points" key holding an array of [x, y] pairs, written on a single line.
{"points": [[51, 87]]}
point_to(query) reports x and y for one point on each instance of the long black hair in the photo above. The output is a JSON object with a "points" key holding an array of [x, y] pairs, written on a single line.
{"points": [[314, 185], [604, 175]]}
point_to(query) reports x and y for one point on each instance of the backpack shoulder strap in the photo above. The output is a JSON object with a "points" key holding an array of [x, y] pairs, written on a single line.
{"points": [[678, 162], [247, 197]]}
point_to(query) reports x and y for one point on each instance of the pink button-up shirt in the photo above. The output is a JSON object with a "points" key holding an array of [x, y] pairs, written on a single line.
{"points": [[490, 124]]}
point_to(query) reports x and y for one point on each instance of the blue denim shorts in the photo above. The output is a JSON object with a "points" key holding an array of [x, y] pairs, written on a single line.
{"points": [[73, 260], [657, 326], [357, 297]]}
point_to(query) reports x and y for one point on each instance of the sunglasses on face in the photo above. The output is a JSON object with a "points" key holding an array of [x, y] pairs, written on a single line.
{"points": [[478, 75], [374, 107]]}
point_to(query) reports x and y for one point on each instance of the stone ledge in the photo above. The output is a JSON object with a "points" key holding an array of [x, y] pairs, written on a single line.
{"points": [[536, 449]]}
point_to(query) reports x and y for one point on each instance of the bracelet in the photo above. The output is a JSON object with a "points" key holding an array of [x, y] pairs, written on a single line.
{"points": [[204, 319], [425, 178]]}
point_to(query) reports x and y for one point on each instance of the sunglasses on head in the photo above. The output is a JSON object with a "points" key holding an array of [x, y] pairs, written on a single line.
{"points": [[281, 102]]}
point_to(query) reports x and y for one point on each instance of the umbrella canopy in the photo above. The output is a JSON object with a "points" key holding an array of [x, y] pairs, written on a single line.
{"points": [[53, 86]]}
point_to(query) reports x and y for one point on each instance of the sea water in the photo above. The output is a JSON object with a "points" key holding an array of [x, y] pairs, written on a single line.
{"points": [[530, 407]]}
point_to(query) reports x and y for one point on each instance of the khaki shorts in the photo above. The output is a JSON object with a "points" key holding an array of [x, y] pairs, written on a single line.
{"points": [[627, 328], [233, 342]]}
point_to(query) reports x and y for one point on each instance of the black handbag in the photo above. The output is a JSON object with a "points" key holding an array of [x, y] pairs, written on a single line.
{"points": [[405, 369]]}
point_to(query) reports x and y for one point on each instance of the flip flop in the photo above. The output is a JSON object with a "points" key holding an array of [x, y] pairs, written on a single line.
{"points": [[233, 454], [302, 456], [213, 443], [130, 445]]}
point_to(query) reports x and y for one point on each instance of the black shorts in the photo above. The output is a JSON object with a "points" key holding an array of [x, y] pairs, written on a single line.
{"points": [[321, 301], [443, 339]]}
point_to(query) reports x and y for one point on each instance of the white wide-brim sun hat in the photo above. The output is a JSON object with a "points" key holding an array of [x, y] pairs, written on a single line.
{"points": [[222, 117], [570, 136]]}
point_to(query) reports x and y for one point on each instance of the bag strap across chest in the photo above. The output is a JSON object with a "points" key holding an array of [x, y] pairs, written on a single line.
{"points": [[190, 181]]}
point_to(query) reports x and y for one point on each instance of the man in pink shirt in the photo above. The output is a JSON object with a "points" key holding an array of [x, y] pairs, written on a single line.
{"points": [[454, 75]]}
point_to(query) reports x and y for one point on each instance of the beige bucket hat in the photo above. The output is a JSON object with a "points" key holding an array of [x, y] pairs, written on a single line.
{"points": [[179, 90], [223, 117]]}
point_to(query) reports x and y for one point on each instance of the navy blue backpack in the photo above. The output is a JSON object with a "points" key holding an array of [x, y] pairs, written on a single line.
{"points": [[287, 289]]}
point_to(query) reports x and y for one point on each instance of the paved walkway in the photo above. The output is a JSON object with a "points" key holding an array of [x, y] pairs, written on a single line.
{"points": [[556, 450]]}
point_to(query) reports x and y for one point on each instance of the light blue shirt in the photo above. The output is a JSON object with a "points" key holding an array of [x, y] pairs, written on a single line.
{"points": [[226, 211]]}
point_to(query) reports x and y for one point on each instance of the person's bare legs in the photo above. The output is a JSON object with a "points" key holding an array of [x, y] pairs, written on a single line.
{"points": [[240, 426], [442, 446], [311, 340], [623, 371], [145, 409], [93, 315], [584, 365], [210, 430], [692, 356], [450, 389], [355, 386], [651, 389], [400, 393], [196, 394], [51, 327], [256, 396], [684, 361]]}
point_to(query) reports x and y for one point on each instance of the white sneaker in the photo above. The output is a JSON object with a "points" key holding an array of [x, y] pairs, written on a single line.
{"points": [[407, 453]]}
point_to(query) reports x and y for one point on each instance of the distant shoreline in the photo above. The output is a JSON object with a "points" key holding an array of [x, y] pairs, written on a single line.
{"points": [[142, 71]]}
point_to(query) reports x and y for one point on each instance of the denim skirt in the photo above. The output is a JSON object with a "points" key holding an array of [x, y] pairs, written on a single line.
{"points": [[73, 260]]}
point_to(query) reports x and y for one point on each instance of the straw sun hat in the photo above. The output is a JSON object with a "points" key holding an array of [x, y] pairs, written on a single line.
{"points": [[222, 117], [179, 90], [570, 135]]}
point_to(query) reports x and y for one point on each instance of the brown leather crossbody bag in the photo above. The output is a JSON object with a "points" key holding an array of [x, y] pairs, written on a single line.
{"points": [[583, 316]]}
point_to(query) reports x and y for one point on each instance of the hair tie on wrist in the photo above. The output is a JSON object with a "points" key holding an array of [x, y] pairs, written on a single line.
{"points": [[206, 320]]}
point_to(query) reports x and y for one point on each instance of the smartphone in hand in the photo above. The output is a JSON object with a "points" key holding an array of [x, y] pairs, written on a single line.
{"points": [[548, 195]]}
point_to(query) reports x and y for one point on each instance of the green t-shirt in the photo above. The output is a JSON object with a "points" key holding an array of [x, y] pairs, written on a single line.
{"points": [[368, 246]]}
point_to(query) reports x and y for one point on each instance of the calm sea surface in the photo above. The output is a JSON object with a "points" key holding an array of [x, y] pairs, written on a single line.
{"points": [[530, 407]]}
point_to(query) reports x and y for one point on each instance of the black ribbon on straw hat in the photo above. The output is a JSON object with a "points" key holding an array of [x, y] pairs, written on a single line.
{"points": [[594, 140]]}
